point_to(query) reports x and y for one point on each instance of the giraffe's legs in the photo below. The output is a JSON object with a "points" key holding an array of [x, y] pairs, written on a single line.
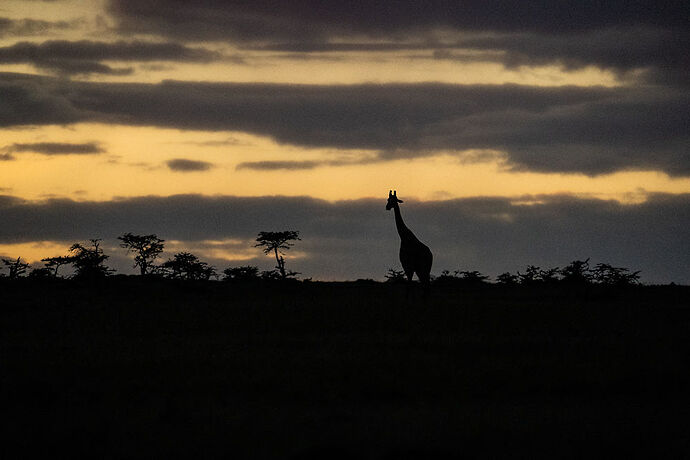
{"points": [[409, 285], [425, 280]]}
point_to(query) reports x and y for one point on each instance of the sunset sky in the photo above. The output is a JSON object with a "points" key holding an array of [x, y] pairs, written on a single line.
{"points": [[516, 132]]}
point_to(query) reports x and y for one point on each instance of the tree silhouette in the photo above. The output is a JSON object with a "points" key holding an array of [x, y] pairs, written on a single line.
{"points": [[530, 276], [42, 273], [244, 273], [615, 276], [395, 276], [56, 262], [507, 279], [550, 275], [274, 242], [88, 262], [577, 272], [146, 247], [17, 267], [471, 277], [461, 277], [187, 266], [273, 275]]}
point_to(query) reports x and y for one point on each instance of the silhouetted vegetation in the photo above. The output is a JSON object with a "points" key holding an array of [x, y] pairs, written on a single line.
{"points": [[41, 273], [16, 268], [507, 279], [395, 276], [187, 266], [577, 272], [146, 247], [243, 273], [89, 261], [55, 263], [530, 276], [614, 276], [460, 278], [275, 242]]}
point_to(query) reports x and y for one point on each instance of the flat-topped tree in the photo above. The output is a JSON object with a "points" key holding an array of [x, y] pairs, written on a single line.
{"points": [[274, 242], [54, 263], [146, 247]]}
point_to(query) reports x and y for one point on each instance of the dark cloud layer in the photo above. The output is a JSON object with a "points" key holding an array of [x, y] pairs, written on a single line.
{"points": [[184, 165], [646, 53], [84, 56], [619, 35], [563, 129], [262, 19], [351, 239]]}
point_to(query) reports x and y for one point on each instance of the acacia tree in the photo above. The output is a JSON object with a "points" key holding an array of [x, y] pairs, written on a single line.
{"points": [[274, 242], [17, 267], [146, 247], [187, 266], [243, 273], [615, 276], [577, 272], [88, 262], [55, 263]]}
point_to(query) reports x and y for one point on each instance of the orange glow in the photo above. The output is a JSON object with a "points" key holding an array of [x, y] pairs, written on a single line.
{"points": [[135, 165]]}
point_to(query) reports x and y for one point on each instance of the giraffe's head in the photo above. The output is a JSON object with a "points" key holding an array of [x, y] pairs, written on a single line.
{"points": [[392, 200]]}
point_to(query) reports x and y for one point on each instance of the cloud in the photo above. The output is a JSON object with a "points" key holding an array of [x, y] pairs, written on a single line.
{"points": [[267, 20], [614, 35], [76, 67], [84, 56], [307, 164], [228, 141], [28, 27], [32, 100], [183, 165], [58, 148], [278, 165], [559, 129], [648, 51], [357, 238]]}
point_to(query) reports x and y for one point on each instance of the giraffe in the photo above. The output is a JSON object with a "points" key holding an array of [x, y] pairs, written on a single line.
{"points": [[415, 256]]}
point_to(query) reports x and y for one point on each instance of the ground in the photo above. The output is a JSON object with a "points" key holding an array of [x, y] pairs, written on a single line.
{"points": [[136, 368]]}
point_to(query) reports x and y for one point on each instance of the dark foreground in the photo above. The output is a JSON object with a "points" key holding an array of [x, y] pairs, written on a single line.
{"points": [[343, 370]]}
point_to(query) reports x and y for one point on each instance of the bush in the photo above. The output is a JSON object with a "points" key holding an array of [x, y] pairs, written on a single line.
{"points": [[244, 273]]}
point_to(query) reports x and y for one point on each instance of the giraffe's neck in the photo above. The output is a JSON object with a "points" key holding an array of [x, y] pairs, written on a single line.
{"points": [[403, 231]]}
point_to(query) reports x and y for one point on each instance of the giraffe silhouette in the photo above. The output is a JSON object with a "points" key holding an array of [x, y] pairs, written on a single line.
{"points": [[415, 256]]}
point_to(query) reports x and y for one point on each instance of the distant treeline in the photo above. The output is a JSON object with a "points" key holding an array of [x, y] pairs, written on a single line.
{"points": [[89, 262], [577, 272]]}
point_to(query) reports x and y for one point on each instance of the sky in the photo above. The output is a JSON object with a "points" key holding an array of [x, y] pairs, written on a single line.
{"points": [[517, 133]]}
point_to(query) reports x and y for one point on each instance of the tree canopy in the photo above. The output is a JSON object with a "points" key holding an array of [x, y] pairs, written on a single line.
{"points": [[276, 242], [146, 247]]}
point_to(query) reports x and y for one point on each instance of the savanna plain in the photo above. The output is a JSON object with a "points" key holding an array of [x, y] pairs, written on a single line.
{"points": [[129, 367]]}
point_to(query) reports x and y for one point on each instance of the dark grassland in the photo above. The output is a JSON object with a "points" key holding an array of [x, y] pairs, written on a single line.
{"points": [[137, 368]]}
